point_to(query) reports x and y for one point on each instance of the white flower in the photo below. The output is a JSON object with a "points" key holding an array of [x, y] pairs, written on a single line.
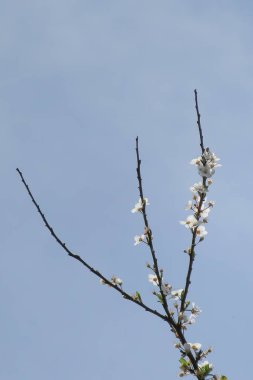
{"points": [[196, 161], [188, 205], [195, 309], [206, 164], [205, 212], [196, 346], [191, 319], [201, 231], [211, 158], [102, 282], [190, 222], [198, 188], [206, 364], [139, 206], [153, 279], [166, 289], [138, 239], [187, 320], [206, 171], [187, 347], [176, 294], [116, 281]]}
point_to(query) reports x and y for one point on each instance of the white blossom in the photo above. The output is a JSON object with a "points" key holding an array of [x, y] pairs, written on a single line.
{"points": [[206, 170], [196, 161], [188, 205], [191, 319], [201, 231], [176, 294], [139, 206], [194, 346], [153, 279], [198, 188], [206, 363], [195, 309], [205, 212], [166, 289], [206, 163], [190, 221], [116, 281], [211, 158], [138, 239]]}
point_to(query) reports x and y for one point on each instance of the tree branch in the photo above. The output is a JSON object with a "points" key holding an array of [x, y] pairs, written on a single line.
{"points": [[198, 122], [176, 328], [202, 198], [78, 258]]}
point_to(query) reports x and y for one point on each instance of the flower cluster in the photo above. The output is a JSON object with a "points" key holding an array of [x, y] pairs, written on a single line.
{"points": [[188, 316], [207, 163], [199, 205], [204, 368], [183, 311], [185, 318]]}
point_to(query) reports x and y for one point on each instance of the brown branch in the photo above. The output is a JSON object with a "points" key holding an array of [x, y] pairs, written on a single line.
{"points": [[78, 258], [191, 255], [202, 198], [149, 235], [198, 122], [175, 327]]}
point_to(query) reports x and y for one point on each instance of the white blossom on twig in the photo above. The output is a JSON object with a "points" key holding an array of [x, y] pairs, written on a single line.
{"points": [[139, 205]]}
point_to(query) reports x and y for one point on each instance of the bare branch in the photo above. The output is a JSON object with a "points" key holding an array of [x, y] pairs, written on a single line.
{"points": [[198, 122], [149, 235], [78, 258]]}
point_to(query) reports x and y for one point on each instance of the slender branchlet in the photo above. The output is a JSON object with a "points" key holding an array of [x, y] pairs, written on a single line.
{"points": [[150, 237], [175, 327], [198, 122], [198, 214], [103, 279]]}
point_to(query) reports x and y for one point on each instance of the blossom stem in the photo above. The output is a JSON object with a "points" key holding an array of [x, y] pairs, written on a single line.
{"points": [[202, 198], [175, 327], [149, 234], [192, 253]]}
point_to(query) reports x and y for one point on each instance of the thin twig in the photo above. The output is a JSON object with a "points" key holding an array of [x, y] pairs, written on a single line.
{"points": [[175, 327], [78, 258], [149, 235], [198, 122], [202, 198]]}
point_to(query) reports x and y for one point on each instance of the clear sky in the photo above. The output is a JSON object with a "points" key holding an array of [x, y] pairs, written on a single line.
{"points": [[79, 81]]}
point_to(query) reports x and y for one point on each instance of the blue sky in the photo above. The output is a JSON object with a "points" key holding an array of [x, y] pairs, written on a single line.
{"points": [[79, 81]]}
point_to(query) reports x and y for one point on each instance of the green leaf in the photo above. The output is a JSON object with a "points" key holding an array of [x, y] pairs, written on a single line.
{"points": [[160, 298], [138, 296], [184, 363], [223, 378]]}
